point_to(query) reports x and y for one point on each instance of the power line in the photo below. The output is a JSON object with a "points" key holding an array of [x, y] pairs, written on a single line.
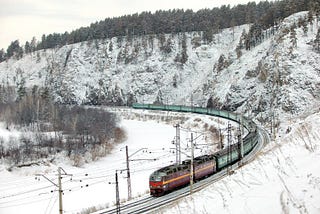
{"points": [[59, 185], [22, 193]]}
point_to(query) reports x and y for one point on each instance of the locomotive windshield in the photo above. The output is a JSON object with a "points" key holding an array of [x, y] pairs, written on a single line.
{"points": [[157, 176]]}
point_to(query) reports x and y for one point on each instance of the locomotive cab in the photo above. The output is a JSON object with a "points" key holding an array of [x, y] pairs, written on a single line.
{"points": [[156, 183]]}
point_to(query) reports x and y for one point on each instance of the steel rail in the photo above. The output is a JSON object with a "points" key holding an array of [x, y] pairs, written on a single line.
{"points": [[150, 204]]}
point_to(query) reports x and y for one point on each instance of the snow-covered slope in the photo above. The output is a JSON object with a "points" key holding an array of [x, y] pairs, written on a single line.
{"points": [[147, 69], [121, 68], [284, 178], [274, 79]]}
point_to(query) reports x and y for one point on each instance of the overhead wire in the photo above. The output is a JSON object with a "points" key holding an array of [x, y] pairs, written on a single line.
{"points": [[102, 173], [49, 203]]}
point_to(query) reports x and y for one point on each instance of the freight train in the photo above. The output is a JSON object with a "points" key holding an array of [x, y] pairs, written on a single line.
{"points": [[175, 176]]}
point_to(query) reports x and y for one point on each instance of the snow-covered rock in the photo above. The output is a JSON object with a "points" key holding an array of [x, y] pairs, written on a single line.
{"points": [[118, 71]]}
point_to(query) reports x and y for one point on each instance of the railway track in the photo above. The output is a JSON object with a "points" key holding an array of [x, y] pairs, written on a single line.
{"points": [[149, 204]]}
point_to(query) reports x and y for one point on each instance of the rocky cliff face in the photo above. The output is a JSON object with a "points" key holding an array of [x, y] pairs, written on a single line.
{"points": [[281, 74]]}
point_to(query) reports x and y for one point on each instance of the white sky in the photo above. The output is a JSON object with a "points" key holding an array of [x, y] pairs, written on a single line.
{"points": [[23, 19]]}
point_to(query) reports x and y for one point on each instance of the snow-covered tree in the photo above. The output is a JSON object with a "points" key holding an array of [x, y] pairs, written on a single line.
{"points": [[223, 63], [316, 42], [159, 98], [21, 89], [2, 55], [14, 49], [293, 37]]}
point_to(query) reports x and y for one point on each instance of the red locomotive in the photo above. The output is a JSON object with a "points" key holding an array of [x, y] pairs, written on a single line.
{"points": [[174, 176]]}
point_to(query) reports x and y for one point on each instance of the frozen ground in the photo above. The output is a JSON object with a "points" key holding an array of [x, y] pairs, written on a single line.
{"points": [[23, 191], [285, 177]]}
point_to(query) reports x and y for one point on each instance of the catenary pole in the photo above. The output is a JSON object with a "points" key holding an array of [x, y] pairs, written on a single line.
{"points": [[191, 164], [58, 185], [229, 147], [178, 148], [60, 191], [117, 194], [128, 174]]}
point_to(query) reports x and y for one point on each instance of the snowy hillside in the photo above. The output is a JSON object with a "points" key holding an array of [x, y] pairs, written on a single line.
{"points": [[284, 178], [277, 82], [120, 69], [180, 69]]}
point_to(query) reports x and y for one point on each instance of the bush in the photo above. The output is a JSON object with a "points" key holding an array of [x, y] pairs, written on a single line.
{"points": [[73, 129]]}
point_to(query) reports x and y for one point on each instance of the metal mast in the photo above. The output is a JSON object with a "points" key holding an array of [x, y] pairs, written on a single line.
{"points": [[229, 146], [191, 164], [128, 174], [117, 194], [178, 148], [60, 191]]}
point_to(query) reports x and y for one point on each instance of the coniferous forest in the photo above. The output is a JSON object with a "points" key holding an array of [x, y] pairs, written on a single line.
{"points": [[262, 15]]}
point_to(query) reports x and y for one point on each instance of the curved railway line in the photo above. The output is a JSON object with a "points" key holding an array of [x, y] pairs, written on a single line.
{"points": [[148, 204]]}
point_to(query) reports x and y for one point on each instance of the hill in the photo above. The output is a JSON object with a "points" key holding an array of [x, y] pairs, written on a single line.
{"points": [[280, 71]]}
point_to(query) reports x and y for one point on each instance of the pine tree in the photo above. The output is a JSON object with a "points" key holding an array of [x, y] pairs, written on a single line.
{"points": [[316, 42], [33, 44], [238, 51], [110, 47], [207, 35], [2, 55], [241, 45], [14, 49], [184, 55], [159, 99], [310, 17], [27, 47], [293, 37], [21, 89], [305, 29], [222, 63], [210, 102]]}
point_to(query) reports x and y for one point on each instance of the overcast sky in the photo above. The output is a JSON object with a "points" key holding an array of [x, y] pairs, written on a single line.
{"points": [[23, 19]]}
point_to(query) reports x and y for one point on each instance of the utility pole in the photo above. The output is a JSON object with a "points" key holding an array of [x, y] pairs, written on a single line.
{"points": [[274, 127], [229, 147], [191, 164], [59, 185], [220, 139], [191, 99], [60, 191], [240, 143], [117, 194], [178, 148], [271, 128], [241, 140], [273, 124], [128, 174]]}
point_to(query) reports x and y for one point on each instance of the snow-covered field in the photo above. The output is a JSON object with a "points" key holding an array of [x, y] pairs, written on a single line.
{"points": [[25, 190], [284, 178], [20, 191]]}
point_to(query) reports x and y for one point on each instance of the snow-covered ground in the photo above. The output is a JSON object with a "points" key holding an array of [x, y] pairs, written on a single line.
{"points": [[284, 178], [25, 190]]}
